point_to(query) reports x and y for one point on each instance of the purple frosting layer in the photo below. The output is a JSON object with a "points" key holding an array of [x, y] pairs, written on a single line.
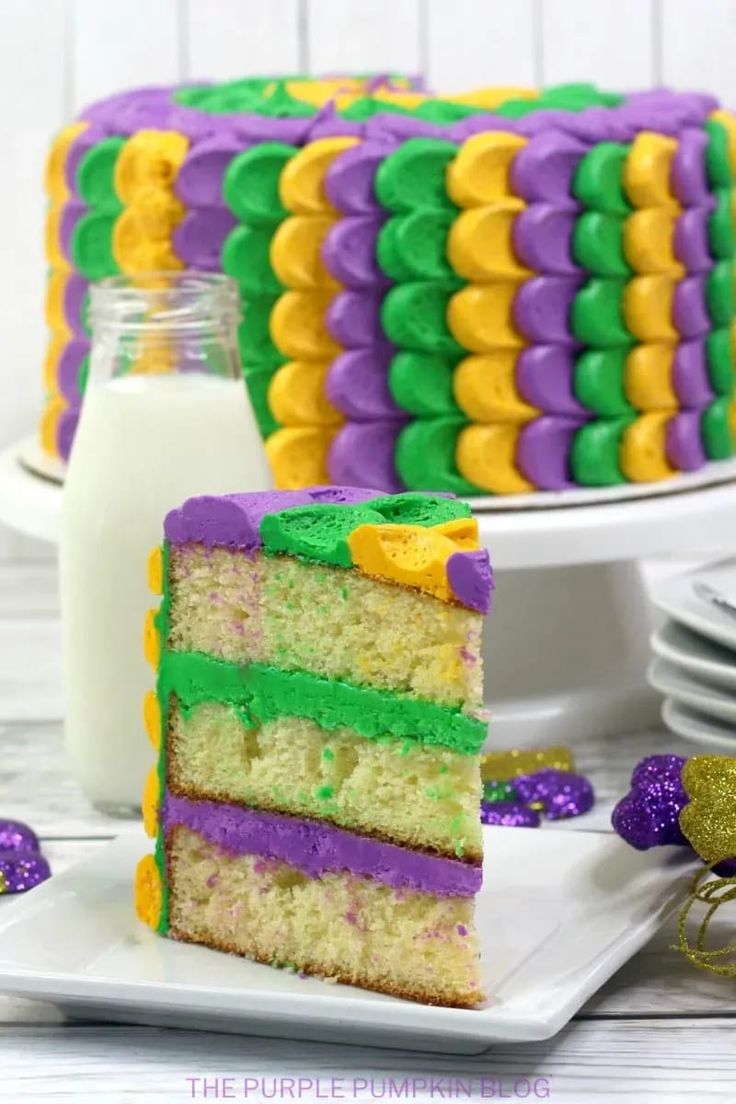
{"points": [[233, 521], [317, 849]]}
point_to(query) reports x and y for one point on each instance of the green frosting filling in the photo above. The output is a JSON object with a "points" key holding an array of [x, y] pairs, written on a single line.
{"points": [[316, 532], [414, 316], [262, 693], [162, 625], [414, 176], [421, 383]]}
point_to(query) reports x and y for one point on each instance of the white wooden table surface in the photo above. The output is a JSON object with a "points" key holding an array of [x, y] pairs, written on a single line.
{"points": [[659, 1030]]}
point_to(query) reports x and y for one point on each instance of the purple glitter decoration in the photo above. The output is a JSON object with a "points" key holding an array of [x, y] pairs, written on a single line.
{"points": [[508, 814], [21, 870], [560, 793], [15, 836], [648, 816]]}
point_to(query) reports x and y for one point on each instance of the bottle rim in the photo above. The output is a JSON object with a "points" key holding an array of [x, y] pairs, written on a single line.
{"points": [[183, 301]]}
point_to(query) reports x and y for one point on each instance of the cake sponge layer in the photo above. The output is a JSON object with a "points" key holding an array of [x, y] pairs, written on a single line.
{"points": [[327, 620], [353, 929], [394, 789]]}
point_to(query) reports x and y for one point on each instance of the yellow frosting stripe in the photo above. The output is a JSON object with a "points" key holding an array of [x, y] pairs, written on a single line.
{"points": [[155, 570], [296, 395], [480, 173], [298, 456], [55, 173], [485, 389], [480, 244], [52, 239], [410, 555], [301, 183], [493, 96], [297, 326], [648, 377], [728, 120], [463, 532], [151, 641], [649, 242], [486, 455], [295, 252], [647, 308], [643, 453], [149, 159], [647, 171], [148, 892], [480, 317], [141, 237], [409, 100], [150, 802], [54, 349], [152, 718], [50, 423]]}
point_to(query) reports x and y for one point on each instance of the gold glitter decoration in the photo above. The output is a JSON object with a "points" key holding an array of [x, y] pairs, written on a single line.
{"points": [[708, 821], [713, 894], [3, 883], [500, 766]]}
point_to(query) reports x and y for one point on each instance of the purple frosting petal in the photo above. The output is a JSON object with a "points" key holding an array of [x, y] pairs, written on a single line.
{"points": [[349, 252], [471, 579], [68, 368], [199, 238], [72, 211], [354, 319], [691, 239], [542, 236], [75, 292], [357, 384], [543, 451], [688, 176], [542, 171], [199, 180], [683, 441], [542, 306], [363, 453], [689, 309], [690, 375], [65, 431], [348, 182], [544, 378]]}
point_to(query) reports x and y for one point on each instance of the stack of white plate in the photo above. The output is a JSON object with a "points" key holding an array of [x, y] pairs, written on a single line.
{"points": [[695, 650]]}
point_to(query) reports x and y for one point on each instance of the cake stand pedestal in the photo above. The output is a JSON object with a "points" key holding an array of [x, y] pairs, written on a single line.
{"points": [[567, 647]]}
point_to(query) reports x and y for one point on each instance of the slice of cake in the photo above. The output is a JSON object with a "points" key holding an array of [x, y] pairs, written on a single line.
{"points": [[318, 723]]}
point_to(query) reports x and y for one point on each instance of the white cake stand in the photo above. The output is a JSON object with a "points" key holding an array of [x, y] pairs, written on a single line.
{"points": [[567, 645]]}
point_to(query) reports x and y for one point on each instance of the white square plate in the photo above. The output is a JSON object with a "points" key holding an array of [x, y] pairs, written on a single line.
{"points": [[559, 913]]}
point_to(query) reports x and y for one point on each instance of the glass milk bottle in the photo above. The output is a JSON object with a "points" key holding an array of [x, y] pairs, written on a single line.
{"points": [[165, 416]]}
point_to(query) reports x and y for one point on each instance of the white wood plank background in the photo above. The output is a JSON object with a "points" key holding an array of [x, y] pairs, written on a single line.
{"points": [[56, 55]]}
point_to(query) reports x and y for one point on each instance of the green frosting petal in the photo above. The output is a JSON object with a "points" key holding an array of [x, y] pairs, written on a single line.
{"points": [[414, 176], [720, 227], [246, 257], [251, 183], [425, 456], [95, 175], [719, 293], [316, 532], [254, 335], [598, 382], [421, 384], [716, 430], [91, 246], [720, 361], [414, 247], [420, 509], [597, 314], [717, 162], [594, 457], [598, 179], [257, 380], [414, 316], [598, 244]]}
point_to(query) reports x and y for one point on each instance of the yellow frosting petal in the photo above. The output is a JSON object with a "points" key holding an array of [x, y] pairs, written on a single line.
{"points": [[55, 174], [151, 642], [50, 424], [480, 317], [485, 389], [296, 395], [150, 802], [136, 250], [298, 456], [463, 532], [649, 241], [486, 455], [647, 308], [728, 120], [297, 326], [150, 158], [643, 454], [407, 554], [493, 96], [648, 169], [301, 184], [54, 306], [152, 718], [295, 252], [480, 172], [57, 341], [155, 570], [148, 892], [52, 239], [648, 377], [480, 244]]}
